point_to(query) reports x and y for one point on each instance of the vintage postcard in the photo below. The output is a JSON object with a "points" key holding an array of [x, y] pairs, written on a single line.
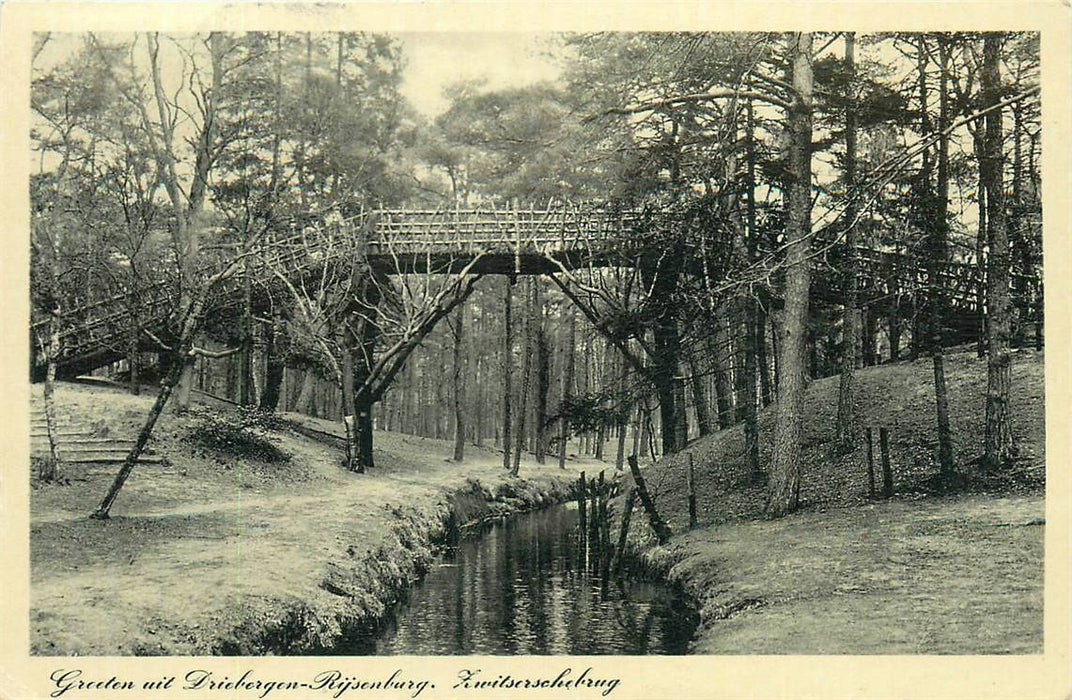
{"points": [[535, 350]]}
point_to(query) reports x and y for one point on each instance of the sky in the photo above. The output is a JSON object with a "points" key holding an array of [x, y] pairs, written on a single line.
{"points": [[436, 60]]}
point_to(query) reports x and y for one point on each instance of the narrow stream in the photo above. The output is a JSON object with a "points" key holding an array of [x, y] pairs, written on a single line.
{"points": [[520, 587]]}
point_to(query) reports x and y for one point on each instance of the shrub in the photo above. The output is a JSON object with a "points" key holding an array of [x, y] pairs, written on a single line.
{"points": [[257, 419], [241, 435], [41, 474]]}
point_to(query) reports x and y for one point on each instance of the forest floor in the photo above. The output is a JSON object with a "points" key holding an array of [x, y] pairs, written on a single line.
{"points": [[261, 548], [921, 573], [270, 553]]}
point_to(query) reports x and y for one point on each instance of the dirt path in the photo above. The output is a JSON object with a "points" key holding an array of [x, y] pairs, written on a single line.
{"points": [[238, 504]]}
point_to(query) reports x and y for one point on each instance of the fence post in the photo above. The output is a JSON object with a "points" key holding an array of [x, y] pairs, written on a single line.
{"points": [[870, 464], [593, 513], [623, 532], [887, 473], [605, 551], [692, 494]]}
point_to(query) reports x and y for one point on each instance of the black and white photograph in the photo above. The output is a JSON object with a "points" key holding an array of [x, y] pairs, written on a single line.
{"points": [[586, 343]]}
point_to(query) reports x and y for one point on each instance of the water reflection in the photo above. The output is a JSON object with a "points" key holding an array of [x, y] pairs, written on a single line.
{"points": [[522, 588]]}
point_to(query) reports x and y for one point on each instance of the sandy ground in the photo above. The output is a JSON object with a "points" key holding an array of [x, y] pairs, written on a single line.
{"points": [[206, 542]]}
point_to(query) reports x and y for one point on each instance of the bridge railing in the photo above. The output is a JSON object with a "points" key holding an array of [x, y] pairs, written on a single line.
{"points": [[455, 232], [106, 322], [958, 281], [491, 230]]}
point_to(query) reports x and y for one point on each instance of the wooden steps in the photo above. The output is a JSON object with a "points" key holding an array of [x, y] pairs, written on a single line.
{"points": [[66, 434], [80, 445], [77, 440], [112, 453], [97, 450], [106, 458]]}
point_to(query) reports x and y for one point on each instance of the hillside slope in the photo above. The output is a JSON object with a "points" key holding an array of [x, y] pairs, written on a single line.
{"points": [[897, 396], [918, 574]]}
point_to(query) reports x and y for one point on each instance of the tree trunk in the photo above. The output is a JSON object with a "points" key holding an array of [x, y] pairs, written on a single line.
{"points": [[624, 409], [363, 405], [681, 414], [723, 397], [867, 342], [364, 397], [645, 429], [508, 349], [658, 525], [742, 355], [133, 343], [979, 147], [459, 385], [276, 366], [245, 356], [49, 469], [182, 363], [751, 409], [478, 429], [846, 414], [776, 344], [567, 389], [703, 419], [999, 447], [526, 372], [256, 365], [761, 353], [757, 316], [1016, 225], [166, 387], [543, 381], [349, 412], [661, 277], [784, 493], [182, 391], [894, 321], [306, 400], [586, 387], [186, 207], [937, 259]]}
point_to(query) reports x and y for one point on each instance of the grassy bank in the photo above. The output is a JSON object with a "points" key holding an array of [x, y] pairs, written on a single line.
{"points": [[919, 574], [209, 553]]}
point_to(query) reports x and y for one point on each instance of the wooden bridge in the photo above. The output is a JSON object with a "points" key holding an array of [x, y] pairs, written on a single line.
{"points": [[508, 241], [397, 241]]}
